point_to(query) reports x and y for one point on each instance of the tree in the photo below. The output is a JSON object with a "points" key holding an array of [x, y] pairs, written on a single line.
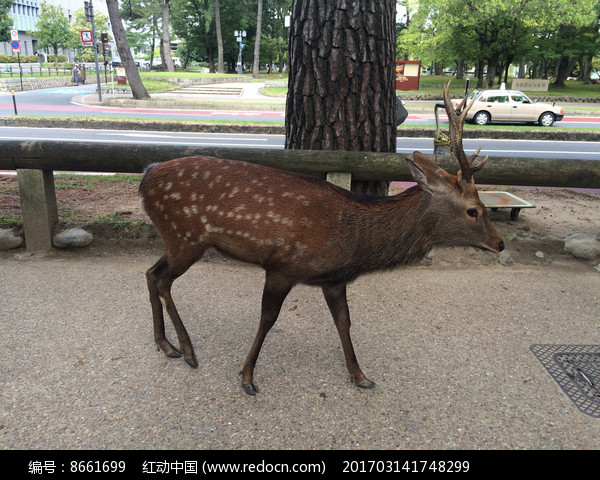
{"points": [[494, 33], [81, 23], [341, 93], [166, 37], [142, 18], [138, 90], [5, 20], [220, 64], [256, 63], [53, 30]]}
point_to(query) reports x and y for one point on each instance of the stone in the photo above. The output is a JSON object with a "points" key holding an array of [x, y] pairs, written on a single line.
{"points": [[582, 245], [505, 259], [74, 237], [8, 240]]}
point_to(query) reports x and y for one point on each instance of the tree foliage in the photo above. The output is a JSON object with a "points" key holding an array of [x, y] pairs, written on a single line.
{"points": [[492, 34], [5, 20], [53, 29]]}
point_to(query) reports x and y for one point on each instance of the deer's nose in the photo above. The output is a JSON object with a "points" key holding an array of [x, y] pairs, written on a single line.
{"points": [[501, 246]]}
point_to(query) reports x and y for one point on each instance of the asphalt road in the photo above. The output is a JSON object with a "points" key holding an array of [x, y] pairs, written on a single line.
{"points": [[516, 148], [79, 101]]}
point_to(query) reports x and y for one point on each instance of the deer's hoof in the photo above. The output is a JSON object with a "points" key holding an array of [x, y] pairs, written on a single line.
{"points": [[366, 383], [192, 362], [169, 350], [250, 388]]}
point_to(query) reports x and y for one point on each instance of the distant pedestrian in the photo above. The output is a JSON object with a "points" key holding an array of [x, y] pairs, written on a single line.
{"points": [[75, 76]]}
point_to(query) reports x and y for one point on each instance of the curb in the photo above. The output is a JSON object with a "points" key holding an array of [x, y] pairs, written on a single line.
{"points": [[271, 129]]}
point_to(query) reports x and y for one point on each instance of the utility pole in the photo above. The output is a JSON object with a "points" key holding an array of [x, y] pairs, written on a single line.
{"points": [[89, 16]]}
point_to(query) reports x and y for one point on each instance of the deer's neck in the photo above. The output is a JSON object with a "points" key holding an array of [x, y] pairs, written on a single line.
{"points": [[396, 231]]}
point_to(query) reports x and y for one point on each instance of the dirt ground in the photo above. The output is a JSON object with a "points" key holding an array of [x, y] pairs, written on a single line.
{"points": [[109, 208]]}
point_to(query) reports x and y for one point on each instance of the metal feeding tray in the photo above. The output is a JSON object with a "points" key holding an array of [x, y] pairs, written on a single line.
{"points": [[496, 200]]}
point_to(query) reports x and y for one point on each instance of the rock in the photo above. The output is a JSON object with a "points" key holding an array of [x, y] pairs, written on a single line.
{"points": [[597, 267], [581, 245], [8, 239], [505, 259], [539, 254], [74, 237]]}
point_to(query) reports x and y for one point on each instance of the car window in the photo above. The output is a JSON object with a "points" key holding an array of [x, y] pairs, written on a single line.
{"points": [[495, 98], [520, 98]]}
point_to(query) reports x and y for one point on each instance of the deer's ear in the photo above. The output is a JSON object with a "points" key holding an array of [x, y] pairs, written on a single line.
{"points": [[426, 173]]}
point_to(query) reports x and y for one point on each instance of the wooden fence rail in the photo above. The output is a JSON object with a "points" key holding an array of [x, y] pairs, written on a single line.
{"points": [[35, 162]]}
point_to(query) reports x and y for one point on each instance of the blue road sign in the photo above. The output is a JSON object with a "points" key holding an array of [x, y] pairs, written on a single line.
{"points": [[15, 44]]}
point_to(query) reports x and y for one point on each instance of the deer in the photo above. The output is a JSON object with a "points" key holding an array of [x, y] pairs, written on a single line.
{"points": [[304, 230]]}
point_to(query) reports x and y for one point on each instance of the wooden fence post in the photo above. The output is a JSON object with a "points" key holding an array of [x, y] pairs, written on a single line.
{"points": [[38, 206]]}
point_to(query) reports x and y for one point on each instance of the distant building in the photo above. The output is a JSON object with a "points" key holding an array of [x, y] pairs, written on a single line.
{"points": [[25, 15]]}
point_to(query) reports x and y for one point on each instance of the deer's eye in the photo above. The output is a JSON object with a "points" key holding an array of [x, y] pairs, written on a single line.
{"points": [[472, 212]]}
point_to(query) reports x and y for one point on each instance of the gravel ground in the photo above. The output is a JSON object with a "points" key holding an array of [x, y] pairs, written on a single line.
{"points": [[448, 346]]}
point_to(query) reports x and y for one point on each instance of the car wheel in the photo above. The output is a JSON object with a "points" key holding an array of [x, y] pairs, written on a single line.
{"points": [[546, 119], [481, 118]]}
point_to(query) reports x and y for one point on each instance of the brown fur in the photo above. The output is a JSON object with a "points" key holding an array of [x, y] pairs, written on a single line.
{"points": [[300, 229]]}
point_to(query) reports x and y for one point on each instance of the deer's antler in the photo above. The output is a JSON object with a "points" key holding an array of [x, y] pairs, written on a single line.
{"points": [[456, 117]]}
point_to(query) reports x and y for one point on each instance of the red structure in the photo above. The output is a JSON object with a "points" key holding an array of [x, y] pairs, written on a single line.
{"points": [[408, 73]]}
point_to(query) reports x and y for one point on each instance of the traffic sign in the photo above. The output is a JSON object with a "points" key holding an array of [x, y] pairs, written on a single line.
{"points": [[14, 34], [15, 45], [86, 38]]}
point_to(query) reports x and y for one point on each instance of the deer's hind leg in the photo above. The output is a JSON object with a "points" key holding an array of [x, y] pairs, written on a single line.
{"points": [[160, 278]]}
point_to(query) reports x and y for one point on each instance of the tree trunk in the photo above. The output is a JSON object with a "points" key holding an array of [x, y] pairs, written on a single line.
{"points": [[220, 64], [522, 67], [565, 65], [166, 37], [460, 69], [256, 63], [480, 74], [491, 73], [138, 90], [585, 69], [341, 93]]}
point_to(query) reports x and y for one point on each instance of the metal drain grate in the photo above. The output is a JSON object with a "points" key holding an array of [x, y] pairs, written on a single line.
{"points": [[576, 369]]}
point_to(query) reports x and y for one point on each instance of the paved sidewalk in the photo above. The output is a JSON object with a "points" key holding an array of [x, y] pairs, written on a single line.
{"points": [[448, 347], [252, 97]]}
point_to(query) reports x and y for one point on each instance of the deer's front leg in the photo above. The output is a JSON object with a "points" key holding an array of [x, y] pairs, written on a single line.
{"points": [[335, 296], [274, 293]]}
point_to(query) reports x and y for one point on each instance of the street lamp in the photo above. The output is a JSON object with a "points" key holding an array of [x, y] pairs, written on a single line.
{"points": [[240, 36]]}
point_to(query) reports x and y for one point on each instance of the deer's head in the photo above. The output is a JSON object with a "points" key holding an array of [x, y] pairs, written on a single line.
{"points": [[454, 200]]}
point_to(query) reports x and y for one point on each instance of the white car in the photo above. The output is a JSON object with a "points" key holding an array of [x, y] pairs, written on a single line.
{"points": [[510, 106]]}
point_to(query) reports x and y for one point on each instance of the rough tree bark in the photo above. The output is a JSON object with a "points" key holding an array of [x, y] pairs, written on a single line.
{"points": [[341, 93], [220, 64], [138, 90], [256, 63], [166, 36]]}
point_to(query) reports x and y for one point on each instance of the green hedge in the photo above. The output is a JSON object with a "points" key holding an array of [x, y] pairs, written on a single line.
{"points": [[15, 59]]}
